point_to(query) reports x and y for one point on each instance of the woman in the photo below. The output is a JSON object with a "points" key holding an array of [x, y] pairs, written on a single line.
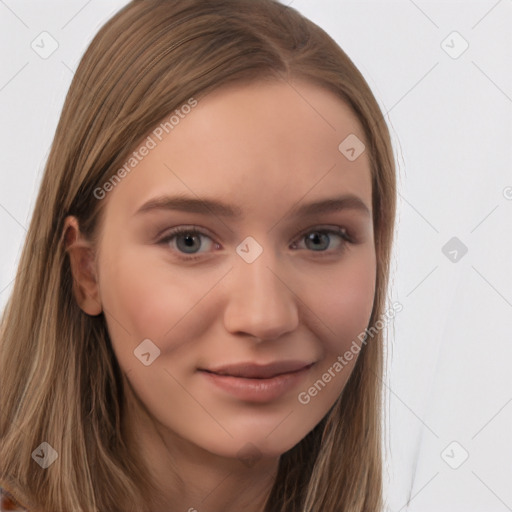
{"points": [[137, 375]]}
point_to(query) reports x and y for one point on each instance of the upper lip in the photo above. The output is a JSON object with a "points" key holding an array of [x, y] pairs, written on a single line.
{"points": [[255, 371]]}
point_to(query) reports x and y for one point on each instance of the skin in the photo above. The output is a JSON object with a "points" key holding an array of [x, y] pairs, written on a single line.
{"points": [[264, 147]]}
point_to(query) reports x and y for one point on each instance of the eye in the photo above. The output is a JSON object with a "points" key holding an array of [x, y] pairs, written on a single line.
{"points": [[186, 241], [319, 240]]}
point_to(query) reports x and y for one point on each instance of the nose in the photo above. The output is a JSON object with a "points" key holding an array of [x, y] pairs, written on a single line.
{"points": [[260, 300]]}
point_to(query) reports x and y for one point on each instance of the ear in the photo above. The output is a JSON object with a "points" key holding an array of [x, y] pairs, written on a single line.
{"points": [[83, 268]]}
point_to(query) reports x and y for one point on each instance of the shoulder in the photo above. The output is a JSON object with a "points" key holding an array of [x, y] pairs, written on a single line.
{"points": [[8, 503]]}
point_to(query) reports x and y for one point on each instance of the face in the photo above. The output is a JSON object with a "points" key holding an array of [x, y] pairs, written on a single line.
{"points": [[266, 279]]}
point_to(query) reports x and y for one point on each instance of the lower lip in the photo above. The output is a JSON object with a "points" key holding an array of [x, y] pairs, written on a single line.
{"points": [[257, 390]]}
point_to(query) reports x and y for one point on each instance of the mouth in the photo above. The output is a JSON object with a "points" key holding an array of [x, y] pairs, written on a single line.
{"points": [[254, 371], [256, 383]]}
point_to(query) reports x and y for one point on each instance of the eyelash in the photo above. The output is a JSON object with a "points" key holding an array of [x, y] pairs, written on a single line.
{"points": [[184, 230]]}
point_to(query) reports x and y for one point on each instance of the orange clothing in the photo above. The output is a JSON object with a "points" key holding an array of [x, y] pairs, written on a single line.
{"points": [[8, 503]]}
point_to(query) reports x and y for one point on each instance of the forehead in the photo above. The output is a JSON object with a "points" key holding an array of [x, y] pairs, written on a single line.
{"points": [[261, 146]]}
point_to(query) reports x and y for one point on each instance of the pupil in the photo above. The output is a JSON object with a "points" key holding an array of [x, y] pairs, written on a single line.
{"points": [[188, 241], [315, 237]]}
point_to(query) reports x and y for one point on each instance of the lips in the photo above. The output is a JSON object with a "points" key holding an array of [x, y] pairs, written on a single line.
{"points": [[257, 383], [254, 371]]}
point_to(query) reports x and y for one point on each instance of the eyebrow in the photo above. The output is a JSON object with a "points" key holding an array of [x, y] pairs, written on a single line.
{"points": [[206, 206]]}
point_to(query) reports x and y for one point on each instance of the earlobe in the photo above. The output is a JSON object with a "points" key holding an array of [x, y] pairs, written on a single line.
{"points": [[81, 259]]}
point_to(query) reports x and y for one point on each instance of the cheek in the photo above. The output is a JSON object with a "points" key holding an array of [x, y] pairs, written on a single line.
{"points": [[345, 301], [146, 300], [344, 305], [132, 295]]}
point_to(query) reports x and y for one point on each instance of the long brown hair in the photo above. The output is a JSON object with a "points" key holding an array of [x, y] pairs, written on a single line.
{"points": [[61, 383]]}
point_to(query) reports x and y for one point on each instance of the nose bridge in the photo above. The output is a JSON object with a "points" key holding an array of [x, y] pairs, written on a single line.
{"points": [[259, 301]]}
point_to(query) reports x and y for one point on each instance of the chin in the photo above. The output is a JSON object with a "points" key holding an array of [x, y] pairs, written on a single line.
{"points": [[251, 448]]}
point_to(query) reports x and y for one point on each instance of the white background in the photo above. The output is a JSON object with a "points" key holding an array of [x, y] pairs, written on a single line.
{"points": [[450, 348]]}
